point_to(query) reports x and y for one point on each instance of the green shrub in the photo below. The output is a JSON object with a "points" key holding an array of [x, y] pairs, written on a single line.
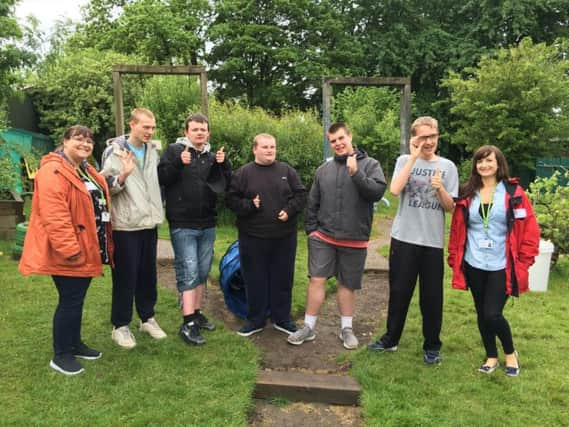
{"points": [[551, 203]]}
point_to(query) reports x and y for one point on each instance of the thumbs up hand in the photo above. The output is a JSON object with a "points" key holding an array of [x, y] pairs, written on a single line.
{"points": [[352, 164], [220, 156], [186, 156], [436, 180], [257, 201]]}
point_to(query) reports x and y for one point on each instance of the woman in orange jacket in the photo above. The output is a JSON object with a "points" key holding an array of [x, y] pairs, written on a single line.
{"points": [[494, 238], [69, 238]]}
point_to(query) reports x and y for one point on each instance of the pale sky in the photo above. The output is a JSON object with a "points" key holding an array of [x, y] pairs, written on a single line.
{"points": [[49, 11]]}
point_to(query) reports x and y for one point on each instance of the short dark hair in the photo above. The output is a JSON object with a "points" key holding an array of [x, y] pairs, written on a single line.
{"points": [[198, 118], [78, 130], [335, 127]]}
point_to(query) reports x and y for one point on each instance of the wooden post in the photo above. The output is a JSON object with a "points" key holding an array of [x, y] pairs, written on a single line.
{"points": [[119, 113], [326, 95], [203, 87], [405, 118]]}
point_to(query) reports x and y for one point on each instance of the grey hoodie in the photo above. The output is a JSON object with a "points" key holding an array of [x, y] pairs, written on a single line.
{"points": [[137, 204]]}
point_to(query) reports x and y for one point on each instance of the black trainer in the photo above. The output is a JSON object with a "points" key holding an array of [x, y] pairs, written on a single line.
{"points": [[432, 357], [249, 329], [190, 333], [204, 323], [66, 364], [83, 352], [288, 327]]}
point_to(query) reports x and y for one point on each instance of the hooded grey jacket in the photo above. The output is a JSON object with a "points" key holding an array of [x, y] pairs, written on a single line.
{"points": [[340, 205], [137, 204]]}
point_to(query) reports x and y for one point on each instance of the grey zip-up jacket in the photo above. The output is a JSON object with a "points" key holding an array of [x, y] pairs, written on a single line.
{"points": [[137, 204], [340, 205]]}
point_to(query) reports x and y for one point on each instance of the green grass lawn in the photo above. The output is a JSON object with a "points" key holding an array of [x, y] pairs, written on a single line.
{"points": [[163, 383], [169, 383], [399, 390]]}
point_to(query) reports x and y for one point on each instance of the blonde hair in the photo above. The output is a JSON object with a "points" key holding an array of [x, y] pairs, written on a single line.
{"points": [[139, 111], [424, 121], [262, 136]]}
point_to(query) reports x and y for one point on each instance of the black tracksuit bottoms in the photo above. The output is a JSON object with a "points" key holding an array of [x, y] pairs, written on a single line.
{"points": [[134, 275], [407, 262], [267, 266]]}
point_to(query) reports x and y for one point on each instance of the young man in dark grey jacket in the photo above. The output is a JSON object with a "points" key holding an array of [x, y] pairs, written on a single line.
{"points": [[338, 222]]}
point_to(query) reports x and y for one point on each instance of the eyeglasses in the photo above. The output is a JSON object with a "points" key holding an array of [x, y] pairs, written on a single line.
{"points": [[425, 138]]}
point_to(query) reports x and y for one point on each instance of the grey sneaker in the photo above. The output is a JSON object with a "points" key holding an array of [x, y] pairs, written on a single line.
{"points": [[123, 337], [152, 328], [303, 334], [349, 338]]}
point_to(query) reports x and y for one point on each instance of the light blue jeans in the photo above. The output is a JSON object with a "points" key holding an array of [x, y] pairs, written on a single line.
{"points": [[193, 251]]}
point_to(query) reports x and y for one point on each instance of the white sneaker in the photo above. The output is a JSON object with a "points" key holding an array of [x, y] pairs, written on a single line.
{"points": [[123, 337], [152, 328]]}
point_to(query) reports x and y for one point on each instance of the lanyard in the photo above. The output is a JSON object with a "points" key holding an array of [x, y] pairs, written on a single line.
{"points": [[85, 174], [486, 210]]}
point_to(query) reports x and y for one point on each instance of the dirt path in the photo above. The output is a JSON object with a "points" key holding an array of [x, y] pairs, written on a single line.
{"points": [[319, 356]]}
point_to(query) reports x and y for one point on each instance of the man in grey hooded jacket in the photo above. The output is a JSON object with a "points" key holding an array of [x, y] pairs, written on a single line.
{"points": [[338, 223]]}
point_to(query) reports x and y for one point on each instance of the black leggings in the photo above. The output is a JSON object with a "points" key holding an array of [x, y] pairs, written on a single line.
{"points": [[489, 293], [69, 312]]}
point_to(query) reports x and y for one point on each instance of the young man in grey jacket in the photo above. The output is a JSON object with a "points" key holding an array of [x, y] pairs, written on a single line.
{"points": [[338, 222], [130, 165]]}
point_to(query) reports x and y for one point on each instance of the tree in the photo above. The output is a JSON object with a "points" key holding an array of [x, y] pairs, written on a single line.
{"points": [[77, 88], [274, 54], [12, 56], [517, 100], [157, 31]]}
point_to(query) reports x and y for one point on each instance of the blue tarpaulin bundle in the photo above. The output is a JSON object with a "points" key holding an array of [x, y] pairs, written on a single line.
{"points": [[231, 282]]}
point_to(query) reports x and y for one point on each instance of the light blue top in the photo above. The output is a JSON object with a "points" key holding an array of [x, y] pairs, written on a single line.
{"points": [[139, 153], [494, 258]]}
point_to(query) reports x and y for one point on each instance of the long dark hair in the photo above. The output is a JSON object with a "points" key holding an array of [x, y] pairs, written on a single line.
{"points": [[474, 182]]}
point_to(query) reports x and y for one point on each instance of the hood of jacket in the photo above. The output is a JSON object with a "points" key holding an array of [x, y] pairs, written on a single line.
{"points": [[187, 143], [360, 154]]}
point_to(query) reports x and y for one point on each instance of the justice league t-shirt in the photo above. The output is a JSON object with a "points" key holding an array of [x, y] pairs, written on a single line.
{"points": [[420, 218]]}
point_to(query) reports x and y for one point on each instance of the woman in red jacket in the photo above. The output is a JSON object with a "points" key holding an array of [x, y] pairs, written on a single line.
{"points": [[69, 238], [493, 242]]}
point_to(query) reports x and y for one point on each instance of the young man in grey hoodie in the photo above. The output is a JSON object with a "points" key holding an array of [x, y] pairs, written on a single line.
{"points": [[130, 167], [192, 176]]}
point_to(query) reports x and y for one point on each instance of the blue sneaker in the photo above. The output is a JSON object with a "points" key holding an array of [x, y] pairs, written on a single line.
{"points": [[380, 347], [513, 371], [432, 357]]}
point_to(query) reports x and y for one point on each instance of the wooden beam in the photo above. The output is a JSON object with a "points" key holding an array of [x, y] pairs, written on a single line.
{"points": [[159, 69], [306, 387], [368, 81], [405, 119]]}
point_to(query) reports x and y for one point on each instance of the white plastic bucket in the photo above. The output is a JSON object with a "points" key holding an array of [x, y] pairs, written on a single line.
{"points": [[539, 271]]}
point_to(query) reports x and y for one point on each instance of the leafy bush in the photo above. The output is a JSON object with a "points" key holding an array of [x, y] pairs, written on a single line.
{"points": [[373, 116], [551, 203], [169, 98], [298, 135], [77, 88]]}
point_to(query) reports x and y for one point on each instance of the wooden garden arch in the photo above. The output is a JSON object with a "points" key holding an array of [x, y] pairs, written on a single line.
{"points": [[404, 85], [118, 70]]}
